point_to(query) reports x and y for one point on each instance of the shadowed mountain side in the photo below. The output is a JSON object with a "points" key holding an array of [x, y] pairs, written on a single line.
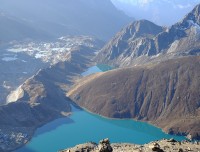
{"points": [[165, 94], [42, 98], [23, 116]]}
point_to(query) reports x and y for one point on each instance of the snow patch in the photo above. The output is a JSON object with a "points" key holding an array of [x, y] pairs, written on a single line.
{"points": [[173, 46], [8, 59], [192, 23], [24, 61], [155, 56], [15, 50], [39, 55]]}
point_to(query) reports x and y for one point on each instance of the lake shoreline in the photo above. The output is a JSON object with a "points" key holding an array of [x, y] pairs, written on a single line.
{"points": [[90, 115], [147, 122]]}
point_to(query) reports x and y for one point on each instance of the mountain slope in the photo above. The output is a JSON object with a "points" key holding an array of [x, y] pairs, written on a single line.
{"points": [[41, 99], [165, 94], [21, 60], [133, 41], [55, 19], [128, 48]]}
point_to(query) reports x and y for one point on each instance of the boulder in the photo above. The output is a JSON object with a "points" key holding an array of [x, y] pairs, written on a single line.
{"points": [[104, 146]]}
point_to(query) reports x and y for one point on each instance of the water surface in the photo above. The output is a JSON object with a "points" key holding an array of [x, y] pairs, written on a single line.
{"points": [[97, 68], [83, 127]]}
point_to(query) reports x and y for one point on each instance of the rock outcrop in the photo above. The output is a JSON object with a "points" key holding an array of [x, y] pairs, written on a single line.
{"points": [[157, 146], [104, 146]]}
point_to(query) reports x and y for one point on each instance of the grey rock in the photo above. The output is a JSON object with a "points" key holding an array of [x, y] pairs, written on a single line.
{"points": [[104, 146]]}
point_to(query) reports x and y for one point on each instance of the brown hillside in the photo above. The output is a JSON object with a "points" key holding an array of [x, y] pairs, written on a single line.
{"points": [[165, 94]]}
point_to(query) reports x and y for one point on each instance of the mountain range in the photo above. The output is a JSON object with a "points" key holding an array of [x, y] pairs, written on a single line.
{"points": [[33, 19], [143, 42], [165, 94], [41, 98], [157, 80]]}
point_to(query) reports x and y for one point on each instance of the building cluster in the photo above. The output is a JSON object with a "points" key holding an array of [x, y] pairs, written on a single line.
{"points": [[12, 139]]}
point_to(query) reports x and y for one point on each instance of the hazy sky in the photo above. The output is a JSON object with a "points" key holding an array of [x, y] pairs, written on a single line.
{"points": [[184, 3], [162, 12]]}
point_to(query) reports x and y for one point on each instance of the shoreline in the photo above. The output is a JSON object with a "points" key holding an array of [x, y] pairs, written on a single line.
{"points": [[147, 122], [34, 131], [75, 107]]}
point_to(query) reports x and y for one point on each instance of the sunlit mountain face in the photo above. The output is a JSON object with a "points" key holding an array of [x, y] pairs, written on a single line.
{"points": [[162, 12]]}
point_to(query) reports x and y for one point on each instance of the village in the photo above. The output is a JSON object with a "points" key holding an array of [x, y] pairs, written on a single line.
{"points": [[12, 139]]}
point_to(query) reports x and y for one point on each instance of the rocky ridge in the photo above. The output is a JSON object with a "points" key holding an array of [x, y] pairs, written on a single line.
{"points": [[22, 59], [40, 99], [158, 146], [142, 42]]}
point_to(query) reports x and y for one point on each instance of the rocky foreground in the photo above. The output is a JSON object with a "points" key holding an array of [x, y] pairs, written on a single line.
{"points": [[157, 146]]}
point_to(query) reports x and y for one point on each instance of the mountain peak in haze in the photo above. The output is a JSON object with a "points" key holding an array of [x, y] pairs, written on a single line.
{"points": [[145, 27], [142, 41], [156, 11], [133, 41], [194, 15], [190, 21], [54, 18]]}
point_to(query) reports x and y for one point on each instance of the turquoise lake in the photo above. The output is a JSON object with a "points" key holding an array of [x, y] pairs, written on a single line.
{"points": [[95, 69], [83, 126]]}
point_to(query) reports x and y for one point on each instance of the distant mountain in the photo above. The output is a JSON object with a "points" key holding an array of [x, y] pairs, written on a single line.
{"points": [[13, 28], [165, 94], [157, 11], [135, 40], [143, 41], [50, 19]]}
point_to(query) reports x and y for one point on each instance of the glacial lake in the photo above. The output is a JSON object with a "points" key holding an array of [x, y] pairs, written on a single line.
{"points": [[95, 69], [83, 126]]}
